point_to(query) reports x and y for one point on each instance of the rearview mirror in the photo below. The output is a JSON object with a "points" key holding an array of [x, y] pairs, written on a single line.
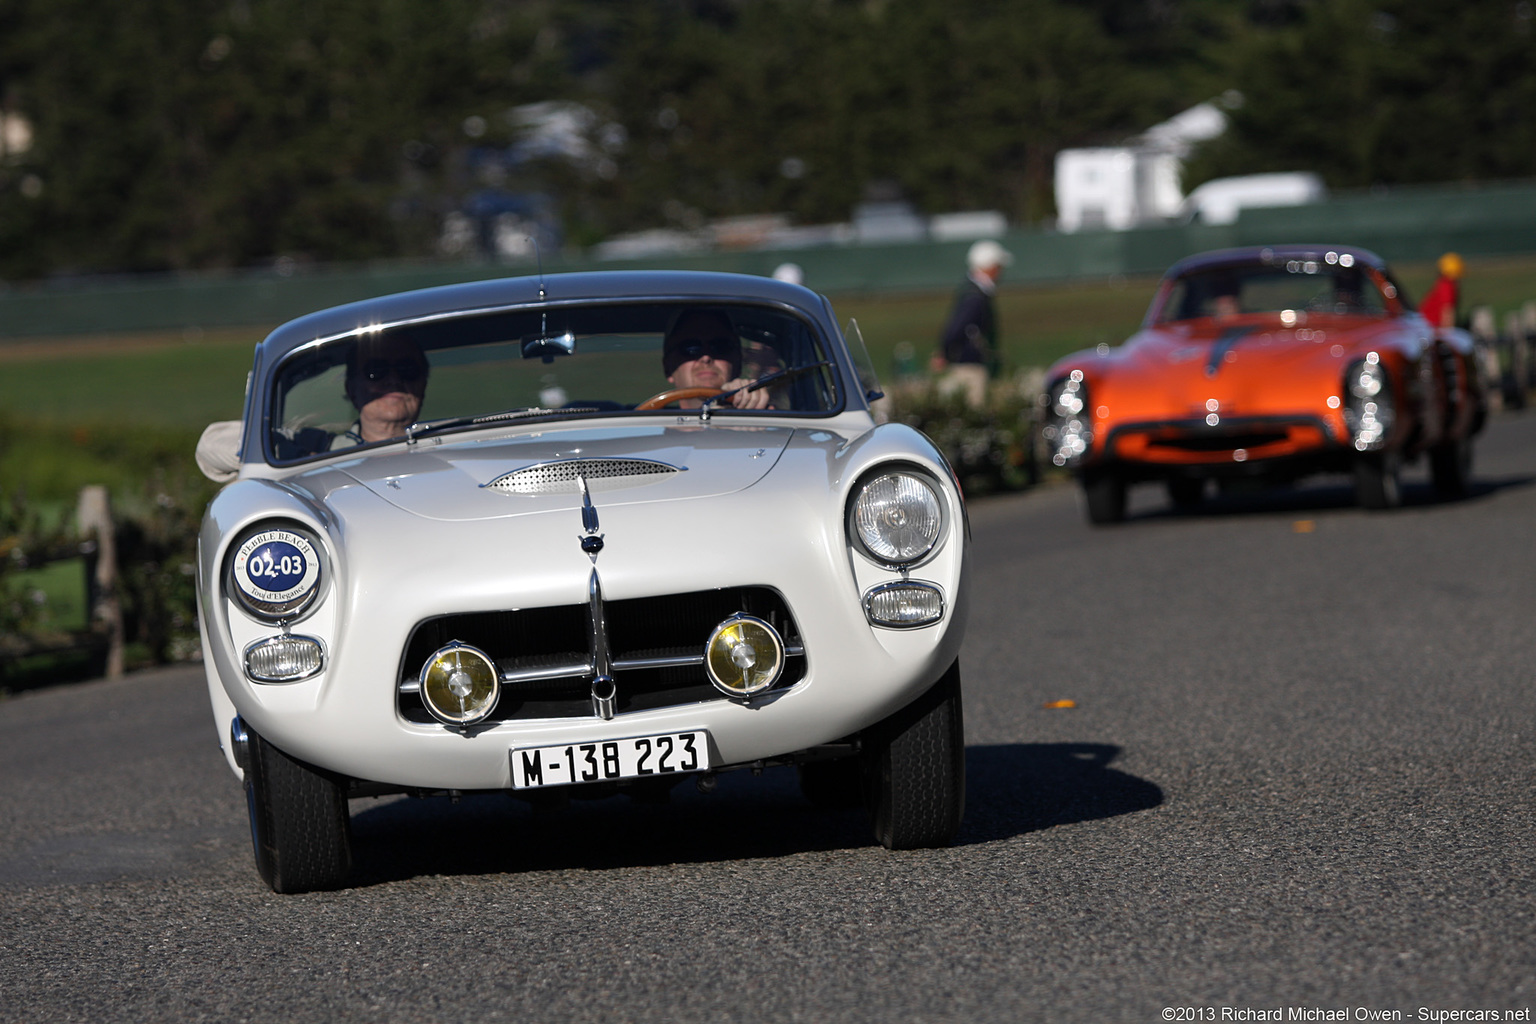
{"points": [[548, 346]]}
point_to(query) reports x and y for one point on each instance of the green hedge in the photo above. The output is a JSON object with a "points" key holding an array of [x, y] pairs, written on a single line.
{"points": [[991, 447]]}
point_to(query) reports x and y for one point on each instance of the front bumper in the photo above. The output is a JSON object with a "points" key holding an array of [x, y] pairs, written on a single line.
{"points": [[347, 719], [1231, 441]]}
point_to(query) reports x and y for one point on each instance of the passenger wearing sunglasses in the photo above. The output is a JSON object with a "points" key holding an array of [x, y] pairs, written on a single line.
{"points": [[702, 350], [386, 380]]}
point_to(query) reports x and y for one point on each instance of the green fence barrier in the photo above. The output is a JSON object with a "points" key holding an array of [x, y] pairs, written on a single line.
{"points": [[1404, 225]]}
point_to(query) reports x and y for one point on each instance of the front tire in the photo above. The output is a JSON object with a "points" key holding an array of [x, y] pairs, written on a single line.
{"points": [[300, 829], [1450, 467], [1105, 494], [915, 769], [1378, 480]]}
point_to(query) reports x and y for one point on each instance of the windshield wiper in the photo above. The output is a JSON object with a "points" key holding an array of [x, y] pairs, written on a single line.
{"points": [[417, 430], [766, 380]]}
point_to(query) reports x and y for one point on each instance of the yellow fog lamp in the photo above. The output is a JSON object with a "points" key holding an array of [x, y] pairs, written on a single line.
{"points": [[459, 684], [744, 656], [284, 659]]}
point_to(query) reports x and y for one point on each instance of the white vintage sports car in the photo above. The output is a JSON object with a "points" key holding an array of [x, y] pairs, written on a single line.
{"points": [[600, 531]]}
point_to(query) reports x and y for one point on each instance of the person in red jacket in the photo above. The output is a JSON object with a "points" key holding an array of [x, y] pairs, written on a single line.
{"points": [[1439, 306]]}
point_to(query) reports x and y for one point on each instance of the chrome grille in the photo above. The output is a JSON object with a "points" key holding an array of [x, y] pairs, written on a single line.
{"points": [[657, 646], [560, 477]]}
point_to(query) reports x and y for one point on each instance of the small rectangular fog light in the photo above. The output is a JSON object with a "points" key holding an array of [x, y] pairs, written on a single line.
{"points": [[284, 659], [904, 605]]}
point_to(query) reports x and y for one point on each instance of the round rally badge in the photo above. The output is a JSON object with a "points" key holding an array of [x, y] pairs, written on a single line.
{"points": [[277, 571]]}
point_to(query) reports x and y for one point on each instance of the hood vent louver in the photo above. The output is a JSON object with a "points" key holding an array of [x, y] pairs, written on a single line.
{"points": [[560, 477]]}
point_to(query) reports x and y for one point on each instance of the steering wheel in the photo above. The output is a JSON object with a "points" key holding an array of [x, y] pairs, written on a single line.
{"points": [[671, 395]]}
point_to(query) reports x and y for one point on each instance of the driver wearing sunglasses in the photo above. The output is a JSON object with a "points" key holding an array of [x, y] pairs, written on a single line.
{"points": [[386, 381], [702, 350]]}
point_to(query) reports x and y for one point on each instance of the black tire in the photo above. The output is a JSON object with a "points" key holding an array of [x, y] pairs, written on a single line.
{"points": [[833, 785], [1450, 467], [1105, 493], [1514, 394], [915, 769], [300, 829], [1186, 492], [1378, 480]]}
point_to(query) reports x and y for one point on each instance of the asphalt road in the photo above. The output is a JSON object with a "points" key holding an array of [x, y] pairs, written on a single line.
{"points": [[1299, 774]]}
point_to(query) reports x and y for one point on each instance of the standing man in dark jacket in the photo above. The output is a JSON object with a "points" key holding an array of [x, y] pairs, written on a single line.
{"points": [[968, 355]]}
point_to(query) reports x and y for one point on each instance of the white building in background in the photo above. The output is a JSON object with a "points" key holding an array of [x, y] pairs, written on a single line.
{"points": [[1108, 188], [1219, 200], [1119, 187]]}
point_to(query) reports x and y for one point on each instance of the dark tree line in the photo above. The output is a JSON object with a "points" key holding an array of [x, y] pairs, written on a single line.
{"points": [[1386, 92], [228, 133]]}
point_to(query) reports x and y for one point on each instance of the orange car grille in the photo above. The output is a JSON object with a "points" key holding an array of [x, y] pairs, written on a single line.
{"points": [[1193, 442]]}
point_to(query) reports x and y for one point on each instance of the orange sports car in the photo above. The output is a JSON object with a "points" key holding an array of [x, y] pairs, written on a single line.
{"points": [[1270, 364]]}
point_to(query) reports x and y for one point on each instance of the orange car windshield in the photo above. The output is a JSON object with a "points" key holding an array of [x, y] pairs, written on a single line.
{"points": [[1300, 285]]}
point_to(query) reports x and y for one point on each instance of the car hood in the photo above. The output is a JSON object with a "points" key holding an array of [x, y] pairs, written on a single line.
{"points": [[1247, 368], [459, 480]]}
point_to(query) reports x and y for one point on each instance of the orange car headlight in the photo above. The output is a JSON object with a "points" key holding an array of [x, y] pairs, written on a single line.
{"points": [[1068, 430], [1368, 408]]}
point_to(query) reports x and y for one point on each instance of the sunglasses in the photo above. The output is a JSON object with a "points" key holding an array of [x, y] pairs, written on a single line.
{"points": [[407, 371], [719, 349]]}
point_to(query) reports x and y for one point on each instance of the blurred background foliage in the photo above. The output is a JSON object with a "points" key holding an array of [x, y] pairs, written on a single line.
{"points": [[47, 629], [1375, 92], [230, 133]]}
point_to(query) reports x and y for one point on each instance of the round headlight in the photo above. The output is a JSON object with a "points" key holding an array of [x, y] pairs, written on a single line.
{"points": [[1067, 428], [1368, 410], [744, 656], [897, 518], [459, 684], [275, 573], [1367, 379]]}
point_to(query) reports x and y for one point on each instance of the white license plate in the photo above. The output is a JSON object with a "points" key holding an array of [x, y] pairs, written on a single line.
{"points": [[638, 757]]}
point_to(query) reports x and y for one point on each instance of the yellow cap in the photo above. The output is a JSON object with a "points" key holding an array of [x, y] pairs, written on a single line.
{"points": [[1451, 266]]}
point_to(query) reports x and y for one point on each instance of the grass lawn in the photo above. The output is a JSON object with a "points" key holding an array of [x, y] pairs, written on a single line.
{"points": [[150, 380], [58, 591], [1036, 325]]}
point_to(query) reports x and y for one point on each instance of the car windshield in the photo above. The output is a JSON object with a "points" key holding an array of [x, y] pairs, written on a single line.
{"points": [[558, 361], [1302, 285]]}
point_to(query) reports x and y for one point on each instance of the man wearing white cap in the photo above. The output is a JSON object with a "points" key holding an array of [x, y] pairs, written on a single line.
{"points": [[967, 356]]}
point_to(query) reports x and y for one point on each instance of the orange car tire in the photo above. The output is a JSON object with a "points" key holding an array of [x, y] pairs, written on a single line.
{"points": [[1450, 467], [1105, 494], [1378, 483]]}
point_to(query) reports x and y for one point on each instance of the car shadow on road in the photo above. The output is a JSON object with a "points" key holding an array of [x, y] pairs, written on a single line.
{"points": [[1321, 495], [1011, 789], [1014, 788]]}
